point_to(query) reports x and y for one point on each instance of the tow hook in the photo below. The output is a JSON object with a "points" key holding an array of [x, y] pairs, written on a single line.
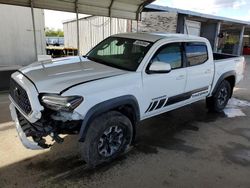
{"points": [[56, 137], [41, 142]]}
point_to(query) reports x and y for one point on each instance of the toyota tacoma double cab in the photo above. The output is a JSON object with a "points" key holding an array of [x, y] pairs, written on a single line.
{"points": [[124, 79]]}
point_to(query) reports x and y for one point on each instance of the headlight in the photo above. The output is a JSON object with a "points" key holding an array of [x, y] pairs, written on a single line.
{"points": [[57, 102]]}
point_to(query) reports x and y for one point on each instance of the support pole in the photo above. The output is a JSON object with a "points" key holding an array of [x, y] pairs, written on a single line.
{"points": [[77, 28], [110, 26], [137, 19], [34, 28], [137, 25], [110, 16], [103, 28], [139, 11], [216, 41], [241, 40]]}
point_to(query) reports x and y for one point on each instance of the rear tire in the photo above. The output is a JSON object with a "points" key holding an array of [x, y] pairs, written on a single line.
{"points": [[108, 136], [219, 100]]}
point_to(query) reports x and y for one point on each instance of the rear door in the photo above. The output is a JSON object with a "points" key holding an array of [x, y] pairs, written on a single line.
{"points": [[200, 70]]}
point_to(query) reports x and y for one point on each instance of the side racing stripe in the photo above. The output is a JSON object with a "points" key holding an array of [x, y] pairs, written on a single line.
{"points": [[158, 104]]}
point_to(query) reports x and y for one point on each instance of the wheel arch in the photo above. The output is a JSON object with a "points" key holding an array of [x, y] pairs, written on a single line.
{"points": [[127, 105], [230, 76]]}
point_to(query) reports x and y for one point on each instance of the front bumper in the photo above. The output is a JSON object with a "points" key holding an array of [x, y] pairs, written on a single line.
{"points": [[33, 97], [25, 141]]}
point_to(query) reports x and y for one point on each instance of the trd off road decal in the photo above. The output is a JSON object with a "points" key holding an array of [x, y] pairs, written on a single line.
{"points": [[156, 104], [163, 101]]}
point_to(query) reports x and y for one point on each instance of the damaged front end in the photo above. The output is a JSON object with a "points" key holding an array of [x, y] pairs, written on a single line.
{"points": [[52, 124], [38, 116], [58, 117]]}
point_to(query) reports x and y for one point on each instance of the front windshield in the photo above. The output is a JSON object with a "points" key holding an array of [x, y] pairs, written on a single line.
{"points": [[122, 53]]}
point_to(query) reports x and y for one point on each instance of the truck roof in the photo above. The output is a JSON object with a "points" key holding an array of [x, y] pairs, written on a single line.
{"points": [[153, 37]]}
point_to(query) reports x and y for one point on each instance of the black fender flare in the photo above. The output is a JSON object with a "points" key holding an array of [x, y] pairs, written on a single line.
{"points": [[106, 106], [223, 77]]}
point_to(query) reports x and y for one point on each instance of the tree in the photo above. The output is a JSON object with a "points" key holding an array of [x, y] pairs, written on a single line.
{"points": [[50, 32]]}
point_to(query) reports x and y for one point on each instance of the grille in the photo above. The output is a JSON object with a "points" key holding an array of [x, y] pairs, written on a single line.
{"points": [[35, 129], [20, 96]]}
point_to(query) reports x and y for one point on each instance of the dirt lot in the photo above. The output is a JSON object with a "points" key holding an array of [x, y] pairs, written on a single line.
{"points": [[188, 147]]}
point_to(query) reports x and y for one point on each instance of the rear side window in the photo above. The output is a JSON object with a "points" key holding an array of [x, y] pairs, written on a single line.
{"points": [[170, 53], [196, 53]]}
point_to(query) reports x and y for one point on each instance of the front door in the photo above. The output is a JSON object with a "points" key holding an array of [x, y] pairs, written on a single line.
{"points": [[164, 90]]}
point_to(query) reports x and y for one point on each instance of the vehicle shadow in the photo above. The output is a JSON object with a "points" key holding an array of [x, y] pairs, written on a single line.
{"points": [[62, 162], [161, 131]]}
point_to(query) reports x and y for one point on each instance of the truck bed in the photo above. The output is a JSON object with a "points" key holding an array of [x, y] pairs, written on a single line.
{"points": [[221, 56], [226, 63]]}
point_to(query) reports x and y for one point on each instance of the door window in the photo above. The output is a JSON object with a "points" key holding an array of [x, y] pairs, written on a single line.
{"points": [[170, 53], [196, 53]]}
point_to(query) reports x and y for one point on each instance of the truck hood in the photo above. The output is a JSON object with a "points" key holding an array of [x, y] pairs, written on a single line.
{"points": [[54, 76]]}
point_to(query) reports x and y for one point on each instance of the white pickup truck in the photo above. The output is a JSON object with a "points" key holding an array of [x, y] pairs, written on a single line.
{"points": [[124, 79]]}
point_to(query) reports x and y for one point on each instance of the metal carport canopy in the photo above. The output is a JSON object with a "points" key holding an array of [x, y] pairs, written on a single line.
{"points": [[128, 9]]}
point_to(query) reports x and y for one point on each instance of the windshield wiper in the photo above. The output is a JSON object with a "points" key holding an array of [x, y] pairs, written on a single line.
{"points": [[90, 58], [105, 63], [85, 56], [97, 60], [93, 59]]}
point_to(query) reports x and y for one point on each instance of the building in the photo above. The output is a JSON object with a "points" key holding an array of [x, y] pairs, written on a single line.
{"points": [[93, 29], [225, 35], [17, 41]]}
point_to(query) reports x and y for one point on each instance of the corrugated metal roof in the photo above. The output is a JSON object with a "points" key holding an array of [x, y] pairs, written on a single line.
{"points": [[116, 8], [192, 13]]}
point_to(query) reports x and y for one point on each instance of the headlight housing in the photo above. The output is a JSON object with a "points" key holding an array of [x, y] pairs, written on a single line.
{"points": [[58, 102]]}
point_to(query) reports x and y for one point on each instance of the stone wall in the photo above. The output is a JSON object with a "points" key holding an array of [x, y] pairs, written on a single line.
{"points": [[156, 22]]}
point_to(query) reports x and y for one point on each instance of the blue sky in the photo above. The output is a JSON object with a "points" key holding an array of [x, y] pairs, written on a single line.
{"points": [[237, 9]]}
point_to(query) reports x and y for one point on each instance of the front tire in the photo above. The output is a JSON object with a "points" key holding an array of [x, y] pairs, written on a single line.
{"points": [[219, 100], [109, 136]]}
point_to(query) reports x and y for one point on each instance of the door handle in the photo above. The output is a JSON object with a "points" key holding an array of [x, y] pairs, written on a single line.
{"points": [[208, 71], [180, 77]]}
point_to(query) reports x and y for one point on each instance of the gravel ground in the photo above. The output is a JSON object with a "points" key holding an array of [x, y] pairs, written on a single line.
{"points": [[188, 147]]}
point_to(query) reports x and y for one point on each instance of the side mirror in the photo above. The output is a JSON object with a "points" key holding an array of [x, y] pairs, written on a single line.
{"points": [[159, 67]]}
